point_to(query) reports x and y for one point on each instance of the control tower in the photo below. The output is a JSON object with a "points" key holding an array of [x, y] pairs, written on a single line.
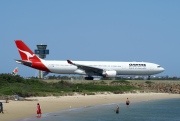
{"points": [[41, 51]]}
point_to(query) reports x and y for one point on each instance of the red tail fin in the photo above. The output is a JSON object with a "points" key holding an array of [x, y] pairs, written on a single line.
{"points": [[28, 57], [24, 51], [15, 71]]}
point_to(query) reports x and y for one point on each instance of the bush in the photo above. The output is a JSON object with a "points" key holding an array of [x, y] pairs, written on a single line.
{"points": [[16, 85]]}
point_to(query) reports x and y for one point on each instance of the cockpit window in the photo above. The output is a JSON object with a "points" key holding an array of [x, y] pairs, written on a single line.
{"points": [[159, 66]]}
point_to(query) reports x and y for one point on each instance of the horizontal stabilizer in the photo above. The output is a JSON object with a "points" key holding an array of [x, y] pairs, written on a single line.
{"points": [[27, 63]]}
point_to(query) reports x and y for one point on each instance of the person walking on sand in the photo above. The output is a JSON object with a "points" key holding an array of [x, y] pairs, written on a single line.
{"points": [[127, 102], [38, 110]]}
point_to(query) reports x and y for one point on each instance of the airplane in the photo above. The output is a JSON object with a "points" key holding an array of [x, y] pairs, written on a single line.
{"points": [[15, 71], [88, 68]]}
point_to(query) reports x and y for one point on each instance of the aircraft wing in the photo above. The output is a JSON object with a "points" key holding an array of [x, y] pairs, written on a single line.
{"points": [[87, 69]]}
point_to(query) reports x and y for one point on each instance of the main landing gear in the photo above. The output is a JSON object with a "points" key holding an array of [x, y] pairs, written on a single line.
{"points": [[89, 78], [149, 77]]}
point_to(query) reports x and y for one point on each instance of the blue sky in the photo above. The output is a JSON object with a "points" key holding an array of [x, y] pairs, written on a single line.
{"points": [[100, 30]]}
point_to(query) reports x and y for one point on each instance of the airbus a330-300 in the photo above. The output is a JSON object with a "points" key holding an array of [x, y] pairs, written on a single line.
{"points": [[89, 68]]}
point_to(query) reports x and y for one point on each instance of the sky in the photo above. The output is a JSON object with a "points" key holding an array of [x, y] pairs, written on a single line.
{"points": [[93, 30]]}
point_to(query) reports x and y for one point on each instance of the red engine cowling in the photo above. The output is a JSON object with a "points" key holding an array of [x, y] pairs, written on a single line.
{"points": [[109, 73]]}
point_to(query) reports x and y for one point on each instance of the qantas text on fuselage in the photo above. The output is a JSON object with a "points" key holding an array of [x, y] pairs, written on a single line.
{"points": [[89, 68]]}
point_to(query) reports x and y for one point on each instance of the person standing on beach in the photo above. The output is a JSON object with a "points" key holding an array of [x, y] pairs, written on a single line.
{"points": [[127, 102], [38, 110], [1, 107]]}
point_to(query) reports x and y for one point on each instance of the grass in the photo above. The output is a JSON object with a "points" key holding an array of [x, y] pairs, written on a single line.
{"points": [[11, 85]]}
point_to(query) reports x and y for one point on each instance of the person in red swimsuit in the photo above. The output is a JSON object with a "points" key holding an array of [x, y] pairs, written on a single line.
{"points": [[38, 110]]}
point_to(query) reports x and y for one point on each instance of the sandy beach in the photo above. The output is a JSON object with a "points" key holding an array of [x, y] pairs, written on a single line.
{"points": [[16, 110]]}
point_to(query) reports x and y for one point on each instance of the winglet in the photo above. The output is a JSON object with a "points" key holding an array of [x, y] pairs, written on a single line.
{"points": [[69, 62]]}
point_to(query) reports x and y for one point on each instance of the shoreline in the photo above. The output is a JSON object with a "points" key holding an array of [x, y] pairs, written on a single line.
{"points": [[17, 110]]}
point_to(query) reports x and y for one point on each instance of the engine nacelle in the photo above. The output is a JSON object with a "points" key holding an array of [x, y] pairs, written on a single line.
{"points": [[109, 73], [78, 71]]}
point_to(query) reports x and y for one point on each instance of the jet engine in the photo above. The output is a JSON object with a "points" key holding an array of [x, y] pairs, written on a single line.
{"points": [[109, 73]]}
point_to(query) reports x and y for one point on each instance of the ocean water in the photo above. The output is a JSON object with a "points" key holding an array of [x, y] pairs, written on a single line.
{"points": [[159, 110]]}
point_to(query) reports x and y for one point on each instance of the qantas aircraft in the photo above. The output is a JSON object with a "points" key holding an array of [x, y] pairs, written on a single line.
{"points": [[89, 68], [15, 71]]}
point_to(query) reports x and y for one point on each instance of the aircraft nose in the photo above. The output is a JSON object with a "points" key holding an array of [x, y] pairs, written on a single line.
{"points": [[162, 69]]}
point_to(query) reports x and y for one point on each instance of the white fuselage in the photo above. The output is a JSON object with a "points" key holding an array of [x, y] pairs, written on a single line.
{"points": [[122, 68], [90, 68]]}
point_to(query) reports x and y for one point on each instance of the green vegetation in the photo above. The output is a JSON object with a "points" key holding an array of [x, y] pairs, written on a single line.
{"points": [[11, 85], [122, 81]]}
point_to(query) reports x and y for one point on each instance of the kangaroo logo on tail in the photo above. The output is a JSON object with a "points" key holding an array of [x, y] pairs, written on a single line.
{"points": [[25, 52], [29, 55], [29, 58]]}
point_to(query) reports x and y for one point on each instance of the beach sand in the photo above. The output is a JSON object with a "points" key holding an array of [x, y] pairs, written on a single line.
{"points": [[16, 110]]}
